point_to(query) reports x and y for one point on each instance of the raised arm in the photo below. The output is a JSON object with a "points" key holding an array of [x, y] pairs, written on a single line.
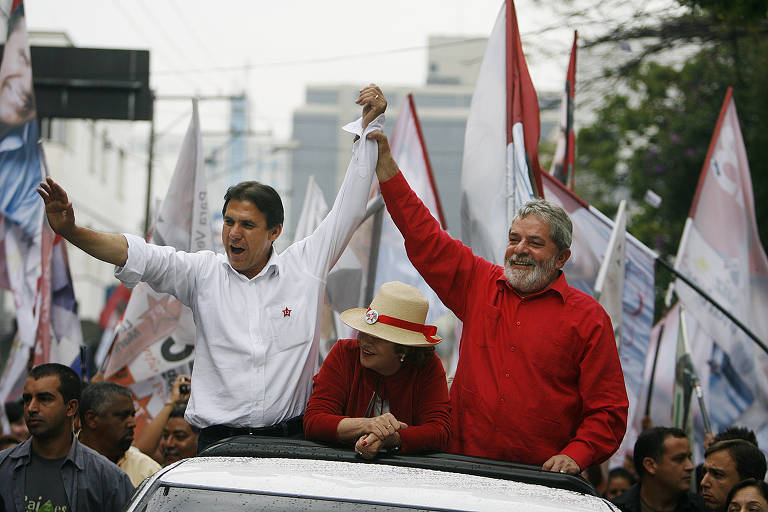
{"points": [[446, 264], [324, 246], [109, 247], [386, 167]]}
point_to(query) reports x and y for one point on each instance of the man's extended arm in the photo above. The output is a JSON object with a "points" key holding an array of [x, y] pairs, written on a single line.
{"points": [[603, 394], [447, 265], [324, 247], [109, 247]]}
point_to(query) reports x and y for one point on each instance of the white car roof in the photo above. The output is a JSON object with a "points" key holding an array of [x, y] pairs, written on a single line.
{"points": [[377, 483]]}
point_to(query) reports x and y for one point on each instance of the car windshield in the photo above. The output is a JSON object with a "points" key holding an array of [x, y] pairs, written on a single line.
{"points": [[170, 499]]}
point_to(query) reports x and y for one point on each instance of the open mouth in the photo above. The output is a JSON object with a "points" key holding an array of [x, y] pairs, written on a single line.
{"points": [[366, 352], [521, 264], [236, 250]]}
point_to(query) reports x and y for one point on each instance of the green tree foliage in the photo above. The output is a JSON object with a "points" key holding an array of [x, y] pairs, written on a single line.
{"points": [[653, 130]]}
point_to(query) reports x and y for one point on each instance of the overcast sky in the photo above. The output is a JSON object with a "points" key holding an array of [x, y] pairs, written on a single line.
{"points": [[273, 49]]}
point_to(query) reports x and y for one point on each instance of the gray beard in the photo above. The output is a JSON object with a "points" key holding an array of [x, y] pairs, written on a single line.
{"points": [[533, 280]]}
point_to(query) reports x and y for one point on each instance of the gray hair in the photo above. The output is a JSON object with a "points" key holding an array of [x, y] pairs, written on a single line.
{"points": [[560, 225], [97, 397]]}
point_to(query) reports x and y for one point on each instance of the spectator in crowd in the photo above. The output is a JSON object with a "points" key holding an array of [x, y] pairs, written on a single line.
{"points": [[619, 482], [726, 463], [594, 475], [749, 495], [733, 432], [662, 458], [107, 418], [52, 470], [386, 390], [253, 373], [149, 439], [179, 439], [14, 411], [538, 378], [7, 441]]}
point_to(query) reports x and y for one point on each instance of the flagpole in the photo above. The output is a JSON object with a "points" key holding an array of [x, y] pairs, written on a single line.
{"points": [[702, 407], [712, 301], [653, 372]]}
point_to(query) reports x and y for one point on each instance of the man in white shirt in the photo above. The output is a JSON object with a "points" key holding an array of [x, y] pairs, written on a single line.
{"points": [[256, 312]]}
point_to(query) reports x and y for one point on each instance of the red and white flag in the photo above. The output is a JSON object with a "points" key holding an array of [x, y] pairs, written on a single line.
{"points": [[562, 163], [720, 251], [410, 153], [501, 168]]}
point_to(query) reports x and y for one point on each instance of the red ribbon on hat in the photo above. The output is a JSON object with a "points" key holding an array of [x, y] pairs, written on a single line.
{"points": [[429, 331]]}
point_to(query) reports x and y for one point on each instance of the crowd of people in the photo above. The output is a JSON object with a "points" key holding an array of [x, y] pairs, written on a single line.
{"points": [[538, 380]]}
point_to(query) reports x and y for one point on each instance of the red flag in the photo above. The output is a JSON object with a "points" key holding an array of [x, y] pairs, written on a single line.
{"points": [[522, 102], [562, 163], [114, 307]]}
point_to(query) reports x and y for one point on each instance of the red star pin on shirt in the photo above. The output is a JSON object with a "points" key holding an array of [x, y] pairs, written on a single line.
{"points": [[286, 312]]}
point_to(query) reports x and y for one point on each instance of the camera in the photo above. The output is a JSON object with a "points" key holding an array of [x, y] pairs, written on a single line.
{"points": [[184, 389]]}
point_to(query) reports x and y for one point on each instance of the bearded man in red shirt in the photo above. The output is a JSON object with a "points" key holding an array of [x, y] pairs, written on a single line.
{"points": [[539, 379]]}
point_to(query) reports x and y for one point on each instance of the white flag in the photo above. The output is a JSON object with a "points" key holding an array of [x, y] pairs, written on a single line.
{"points": [[501, 142], [609, 286], [720, 251], [155, 341]]}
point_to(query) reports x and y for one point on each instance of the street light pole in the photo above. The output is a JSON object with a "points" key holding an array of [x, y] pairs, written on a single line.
{"points": [[147, 220]]}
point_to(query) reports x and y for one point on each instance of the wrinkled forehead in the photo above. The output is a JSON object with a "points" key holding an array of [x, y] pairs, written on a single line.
{"points": [[530, 225]]}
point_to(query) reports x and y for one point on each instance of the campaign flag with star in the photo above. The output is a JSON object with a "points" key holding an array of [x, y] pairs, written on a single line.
{"points": [[410, 153], [501, 170], [562, 163], [720, 251], [591, 236], [156, 338]]}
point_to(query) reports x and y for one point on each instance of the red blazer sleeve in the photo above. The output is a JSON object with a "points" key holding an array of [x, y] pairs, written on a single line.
{"points": [[431, 415], [446, 264], [603, 395], [329, 396]]}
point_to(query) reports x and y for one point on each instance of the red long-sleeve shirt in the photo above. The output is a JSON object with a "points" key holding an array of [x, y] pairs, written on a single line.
{"points": [[418, 396], [537, 375]]}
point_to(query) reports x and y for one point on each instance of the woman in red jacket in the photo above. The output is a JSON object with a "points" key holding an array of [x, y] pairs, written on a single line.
{"points": [[386, 390]]}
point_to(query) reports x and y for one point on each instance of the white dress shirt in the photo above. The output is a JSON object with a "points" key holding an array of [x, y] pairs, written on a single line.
{"points": [[256, 342]]}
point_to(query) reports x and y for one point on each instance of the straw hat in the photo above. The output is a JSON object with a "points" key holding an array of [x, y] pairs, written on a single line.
{"points": [[397, 314]]}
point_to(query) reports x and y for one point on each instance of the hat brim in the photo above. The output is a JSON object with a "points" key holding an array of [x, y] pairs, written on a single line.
{"points": [[355, 318]]}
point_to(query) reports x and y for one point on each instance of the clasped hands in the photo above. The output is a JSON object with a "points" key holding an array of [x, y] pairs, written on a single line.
{"points": [[382, 433]]}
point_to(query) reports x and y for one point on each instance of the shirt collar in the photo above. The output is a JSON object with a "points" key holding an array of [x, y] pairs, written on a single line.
{"points": [[24, 451], [271, 269], [560, 286]]}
